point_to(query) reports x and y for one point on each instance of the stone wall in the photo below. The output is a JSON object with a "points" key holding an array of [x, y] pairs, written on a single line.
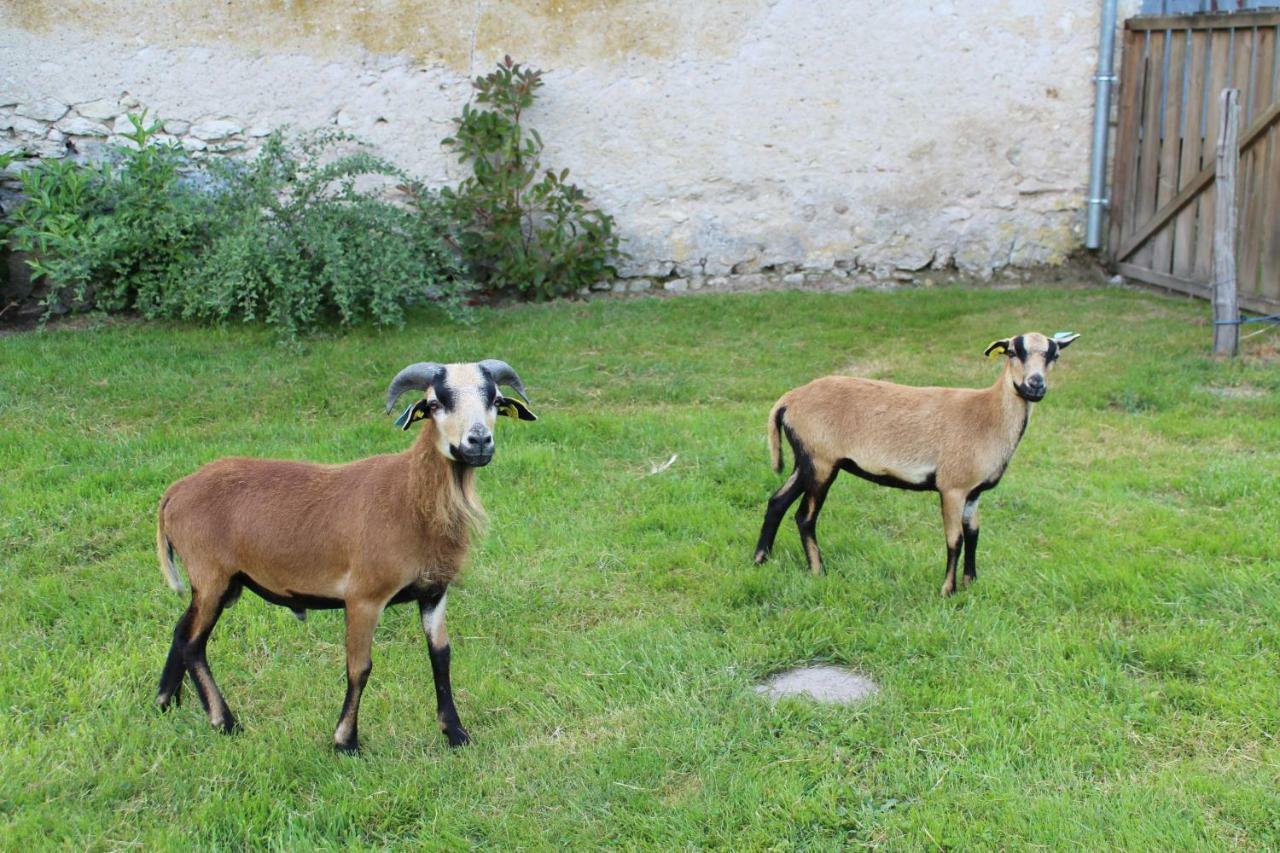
{"points": [[786, 136]]}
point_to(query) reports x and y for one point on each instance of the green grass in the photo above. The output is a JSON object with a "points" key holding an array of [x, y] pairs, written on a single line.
{"points": [[1110, 681]]}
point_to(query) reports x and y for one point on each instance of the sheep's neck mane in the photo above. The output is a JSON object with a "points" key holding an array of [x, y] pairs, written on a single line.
{"points": [[444, 491]]}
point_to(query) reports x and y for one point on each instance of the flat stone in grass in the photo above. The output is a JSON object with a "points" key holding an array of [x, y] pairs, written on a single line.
{"points": [[821, 683]]}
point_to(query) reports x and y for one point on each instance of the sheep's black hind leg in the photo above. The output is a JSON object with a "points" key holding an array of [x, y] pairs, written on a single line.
{"points": [[170, 690], [807, 520], [778, 505], [207, 605]]}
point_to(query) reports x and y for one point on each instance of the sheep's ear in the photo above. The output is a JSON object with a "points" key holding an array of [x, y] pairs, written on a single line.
{"points": [[417, 411], [997, 348], [1064, 339], [513, 408]]}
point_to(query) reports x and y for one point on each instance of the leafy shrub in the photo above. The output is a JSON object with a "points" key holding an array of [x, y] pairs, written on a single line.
{"points": [[520, 228], [295, 238], [109, 235], [298, 236]]}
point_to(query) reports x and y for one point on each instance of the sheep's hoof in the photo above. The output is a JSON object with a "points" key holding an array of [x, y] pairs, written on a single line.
{"points": [[948, 589], [229, 726], [969, 580], [457, 737], [348, 748], [173, 700], [761, 556]]}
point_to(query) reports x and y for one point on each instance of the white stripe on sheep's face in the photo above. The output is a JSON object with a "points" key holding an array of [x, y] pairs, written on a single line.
{"points": [[1031, 356], [462, 401]]}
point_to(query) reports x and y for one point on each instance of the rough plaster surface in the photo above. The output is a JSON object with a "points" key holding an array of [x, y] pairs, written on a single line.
{"points": [[822, 684], [728, 136]]}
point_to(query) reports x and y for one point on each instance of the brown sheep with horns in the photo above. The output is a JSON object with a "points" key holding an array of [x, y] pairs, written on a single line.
{"points": [[378, 531]]}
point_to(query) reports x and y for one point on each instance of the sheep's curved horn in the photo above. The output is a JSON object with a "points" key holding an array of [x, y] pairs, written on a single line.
{"points": [[503, 375], [416, 377]]}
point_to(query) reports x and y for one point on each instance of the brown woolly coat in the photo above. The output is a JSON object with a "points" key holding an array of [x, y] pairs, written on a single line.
{"points": [[958, 438], [361, 531]]}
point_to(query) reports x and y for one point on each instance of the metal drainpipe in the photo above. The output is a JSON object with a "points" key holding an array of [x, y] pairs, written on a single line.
{"points": [[1101, 125]]}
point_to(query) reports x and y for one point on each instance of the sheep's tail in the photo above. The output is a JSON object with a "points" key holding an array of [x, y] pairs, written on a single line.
{"points": [[164, 552], [774, 430]]}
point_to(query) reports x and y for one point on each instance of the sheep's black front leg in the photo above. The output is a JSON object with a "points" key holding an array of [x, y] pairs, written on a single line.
{"points": [[431, 608], [362, 619], [952, 512], [778, 505], [969, 521]]}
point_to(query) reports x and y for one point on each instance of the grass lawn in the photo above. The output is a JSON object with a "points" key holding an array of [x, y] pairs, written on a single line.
{"points": [[1113, 680]]}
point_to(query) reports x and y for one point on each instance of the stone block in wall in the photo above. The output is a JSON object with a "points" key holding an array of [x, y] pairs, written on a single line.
{"points": [[22, 125], [176, 126], [215, 130], [103, 109], [74, 125], [44, 109]]}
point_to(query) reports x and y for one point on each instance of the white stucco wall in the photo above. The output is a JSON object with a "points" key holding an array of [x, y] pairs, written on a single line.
{"points": [[722, 135]]}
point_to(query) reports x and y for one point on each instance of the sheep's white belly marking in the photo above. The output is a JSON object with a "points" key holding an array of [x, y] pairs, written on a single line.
{"points": [[916, 475]]}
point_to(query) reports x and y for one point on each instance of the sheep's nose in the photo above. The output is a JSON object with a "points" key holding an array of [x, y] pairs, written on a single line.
{"points": [[1035, 383], [478, 442]]}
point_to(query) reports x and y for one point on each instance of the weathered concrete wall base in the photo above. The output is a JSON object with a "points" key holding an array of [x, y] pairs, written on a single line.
{"points": [[727, 138]]}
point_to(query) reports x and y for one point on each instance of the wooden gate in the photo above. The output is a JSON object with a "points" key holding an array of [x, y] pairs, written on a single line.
{"points": [[1162, 209]]}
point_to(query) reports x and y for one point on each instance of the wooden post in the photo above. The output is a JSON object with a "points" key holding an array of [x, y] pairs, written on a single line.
{"points": [[1226, 311]]}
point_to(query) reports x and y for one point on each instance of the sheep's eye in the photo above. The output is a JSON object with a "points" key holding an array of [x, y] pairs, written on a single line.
{"points": [[433, 407]]}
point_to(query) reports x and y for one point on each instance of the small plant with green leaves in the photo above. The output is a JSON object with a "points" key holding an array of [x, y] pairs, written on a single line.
{"points": [[521, 228]]}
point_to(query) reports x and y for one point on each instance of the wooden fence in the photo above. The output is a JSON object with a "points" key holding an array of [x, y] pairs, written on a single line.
{"points": [[1171, 75]]}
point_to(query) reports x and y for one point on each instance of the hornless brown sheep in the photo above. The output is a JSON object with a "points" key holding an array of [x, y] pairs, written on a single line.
{"points": [[955, 441]]}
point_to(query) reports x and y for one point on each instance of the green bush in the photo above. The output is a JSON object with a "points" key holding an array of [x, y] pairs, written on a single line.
{"points": [[519, 228], [296, 239], [298, 236], [110, 235]]}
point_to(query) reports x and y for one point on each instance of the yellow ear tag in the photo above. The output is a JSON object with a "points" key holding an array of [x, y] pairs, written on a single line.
{"points": [[415, 412]]}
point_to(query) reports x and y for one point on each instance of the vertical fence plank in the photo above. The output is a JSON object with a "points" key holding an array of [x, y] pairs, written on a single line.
{"points": [[1269, 226], [1255, 165], [1184, 240], [1132, 72], [1170, 131], [1219, 69], [1226, 334], [1149, 153]]}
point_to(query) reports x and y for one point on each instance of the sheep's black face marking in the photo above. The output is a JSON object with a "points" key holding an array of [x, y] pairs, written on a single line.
{"points": [[462, 401], [464, 396], [1030, 356]]}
